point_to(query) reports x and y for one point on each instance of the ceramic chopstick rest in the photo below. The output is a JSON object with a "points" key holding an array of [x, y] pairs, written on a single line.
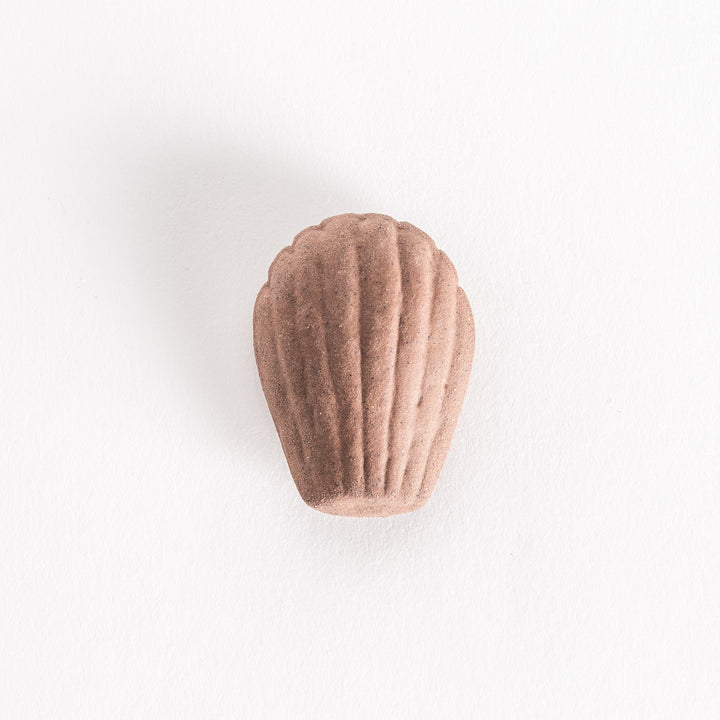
{"points": [[364, 343]]}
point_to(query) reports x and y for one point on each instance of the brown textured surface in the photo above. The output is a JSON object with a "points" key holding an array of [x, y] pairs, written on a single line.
{"points": [[364, 343]]}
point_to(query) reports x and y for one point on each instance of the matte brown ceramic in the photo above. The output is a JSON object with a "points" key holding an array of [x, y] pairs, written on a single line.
{"points": [[364, 343]]}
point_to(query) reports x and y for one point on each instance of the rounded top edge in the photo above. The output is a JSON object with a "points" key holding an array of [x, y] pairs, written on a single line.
{"points": [[345, 223]]}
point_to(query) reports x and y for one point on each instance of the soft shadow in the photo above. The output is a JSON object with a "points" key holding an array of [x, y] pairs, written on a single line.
{"points": [[204, 224], [210, 221]]}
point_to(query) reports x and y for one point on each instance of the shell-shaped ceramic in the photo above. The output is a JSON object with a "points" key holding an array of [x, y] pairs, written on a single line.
{"points": [[364, 343]]}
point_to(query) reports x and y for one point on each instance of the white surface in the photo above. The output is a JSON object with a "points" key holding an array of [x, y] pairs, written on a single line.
{"points": [[157, 561]]}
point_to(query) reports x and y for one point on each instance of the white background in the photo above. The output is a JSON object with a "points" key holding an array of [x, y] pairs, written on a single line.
{"points": [[156, 559]]}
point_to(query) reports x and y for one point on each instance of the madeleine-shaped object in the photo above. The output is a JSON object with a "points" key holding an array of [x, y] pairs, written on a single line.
{"points": [[364, 343]]}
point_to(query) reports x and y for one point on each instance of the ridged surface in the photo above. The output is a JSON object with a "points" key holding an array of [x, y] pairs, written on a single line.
{"points": [[364, 343]]}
